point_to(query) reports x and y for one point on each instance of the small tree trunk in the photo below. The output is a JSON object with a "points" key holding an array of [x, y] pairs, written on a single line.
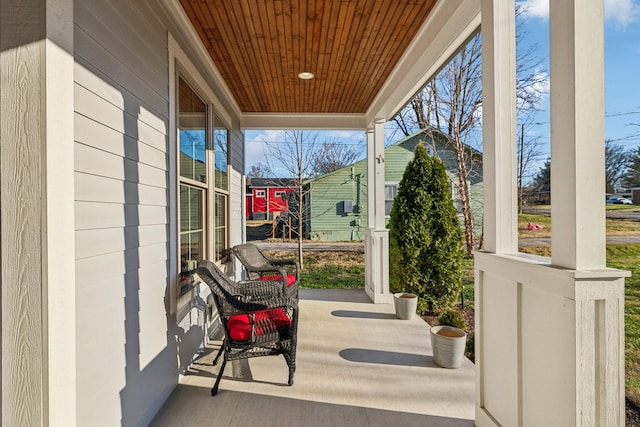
{"points": [[465, 199], [300, 219], [520, 168]]}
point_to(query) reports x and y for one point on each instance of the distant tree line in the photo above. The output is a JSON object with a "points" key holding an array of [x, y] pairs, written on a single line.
{"points": [[622, 169]]}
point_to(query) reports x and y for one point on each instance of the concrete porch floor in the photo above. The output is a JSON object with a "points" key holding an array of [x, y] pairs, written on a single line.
{"points": [[357, 365]]}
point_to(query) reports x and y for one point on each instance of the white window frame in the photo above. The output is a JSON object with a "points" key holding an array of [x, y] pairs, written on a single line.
{"points": [[261, 194], [389, 184], [219, 122]]}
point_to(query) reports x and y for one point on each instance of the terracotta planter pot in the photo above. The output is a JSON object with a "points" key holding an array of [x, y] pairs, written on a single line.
{"points": [[448, 344], [405, 304]]}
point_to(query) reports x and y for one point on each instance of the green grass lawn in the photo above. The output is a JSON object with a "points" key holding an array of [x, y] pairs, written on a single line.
{"points": [[329, 270], [614, 226], [630, 208]]}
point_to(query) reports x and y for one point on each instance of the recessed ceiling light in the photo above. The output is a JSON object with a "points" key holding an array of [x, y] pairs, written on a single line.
{"points": [[306, 75]]}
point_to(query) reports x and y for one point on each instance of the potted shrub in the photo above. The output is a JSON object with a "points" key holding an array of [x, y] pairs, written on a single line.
{"points": [[449, 340], [425, 235]]}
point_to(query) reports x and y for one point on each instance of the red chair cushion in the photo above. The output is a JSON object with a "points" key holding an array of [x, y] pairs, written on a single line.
{"points": [[291, 278], [266, 321]]}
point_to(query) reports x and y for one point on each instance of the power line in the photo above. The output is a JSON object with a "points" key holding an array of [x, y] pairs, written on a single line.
{"points": [[319, 144], [630, 113]]}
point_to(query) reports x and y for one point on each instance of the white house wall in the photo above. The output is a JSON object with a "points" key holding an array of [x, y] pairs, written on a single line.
{"points": [[237, 196], [236, 214], [127, 339]]}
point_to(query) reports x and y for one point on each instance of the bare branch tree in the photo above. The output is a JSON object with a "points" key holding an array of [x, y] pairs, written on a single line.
{"points": [[333, 155], [296, 154], [528, 153], [617, 162], [451, 103], [259, 170]]}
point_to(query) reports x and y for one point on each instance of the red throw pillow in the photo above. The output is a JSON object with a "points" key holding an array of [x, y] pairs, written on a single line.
{"points": [[291, 278], [274, 319]]}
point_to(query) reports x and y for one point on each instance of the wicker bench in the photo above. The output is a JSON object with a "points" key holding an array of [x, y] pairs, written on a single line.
{"points": [[258, 318]]}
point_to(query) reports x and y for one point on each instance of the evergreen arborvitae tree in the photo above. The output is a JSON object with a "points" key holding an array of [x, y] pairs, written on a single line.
{"points": [[425, 235]]}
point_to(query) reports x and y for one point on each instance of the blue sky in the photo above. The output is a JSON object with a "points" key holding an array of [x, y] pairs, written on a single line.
{"points": [[622, 66], [622, 81]]}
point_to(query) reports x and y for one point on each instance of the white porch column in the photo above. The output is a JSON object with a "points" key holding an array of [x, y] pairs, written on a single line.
{"points": [[38, 368], [499, 124], [497, 399], [578, 209], [549, 333], [577, 134], [376, 235]]}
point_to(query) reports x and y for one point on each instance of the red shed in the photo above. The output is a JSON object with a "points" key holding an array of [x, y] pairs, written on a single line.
{"points": [[266, 196]]}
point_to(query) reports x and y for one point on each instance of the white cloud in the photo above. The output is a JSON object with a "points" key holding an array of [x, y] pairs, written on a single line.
{"points": [[619, 12], [256, 150], [535, 8]]}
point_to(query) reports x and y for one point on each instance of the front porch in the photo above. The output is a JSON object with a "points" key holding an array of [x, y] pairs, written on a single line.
{"points": [[357, 365]]}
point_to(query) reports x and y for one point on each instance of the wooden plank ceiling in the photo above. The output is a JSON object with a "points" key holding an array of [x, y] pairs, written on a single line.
{"points": [[350, 46]]}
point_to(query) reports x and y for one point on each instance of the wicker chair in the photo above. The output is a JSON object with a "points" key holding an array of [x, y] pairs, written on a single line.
{"points": [[261, 267], [258, 318]]}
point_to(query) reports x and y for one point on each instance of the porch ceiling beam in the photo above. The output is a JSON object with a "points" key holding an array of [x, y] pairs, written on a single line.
{"points": [[446, 29]]}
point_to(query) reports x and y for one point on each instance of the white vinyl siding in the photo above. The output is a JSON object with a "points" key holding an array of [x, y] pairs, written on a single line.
{"points": [[126, 214], [120, 132]]}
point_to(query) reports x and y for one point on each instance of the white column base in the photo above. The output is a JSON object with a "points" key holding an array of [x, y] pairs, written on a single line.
{"points": [[376, 252], [549, 343]]}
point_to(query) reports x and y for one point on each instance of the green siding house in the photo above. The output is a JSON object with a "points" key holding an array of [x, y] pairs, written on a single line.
{"points": [[337, 202]]}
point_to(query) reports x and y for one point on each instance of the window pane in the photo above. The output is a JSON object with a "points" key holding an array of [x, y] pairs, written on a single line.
{"points": [[220, 225], [220, 143], [390, 191], [388, 204], [191, 227], [192, 119]]}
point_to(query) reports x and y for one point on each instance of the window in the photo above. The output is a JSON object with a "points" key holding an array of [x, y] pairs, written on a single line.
{"points": [[220, 140], [280, 194], [260, 193], [203, 190], [390, 193], [192, 130]]}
